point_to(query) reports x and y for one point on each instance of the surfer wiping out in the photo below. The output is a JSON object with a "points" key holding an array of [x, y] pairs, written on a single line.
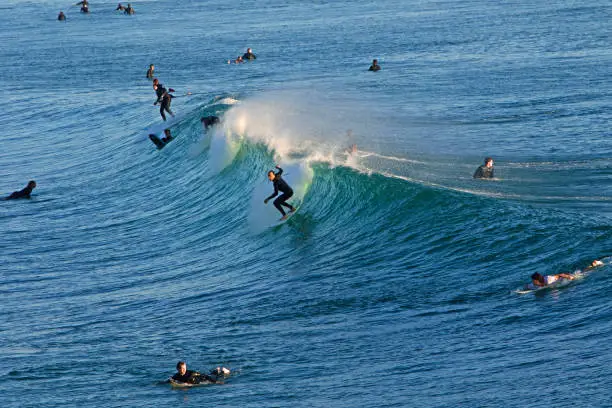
{"points": [[540, 281], [163, 97], [209, 121], [282, 186], [193, 377]]}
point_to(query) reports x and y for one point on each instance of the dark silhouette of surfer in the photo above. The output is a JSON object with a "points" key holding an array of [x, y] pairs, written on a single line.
{"points": [[24, 193], [282, 186]]}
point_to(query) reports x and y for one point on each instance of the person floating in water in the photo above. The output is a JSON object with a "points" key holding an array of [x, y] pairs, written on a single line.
{"points": [[374, 66], [61, 16], [282, 186], [209, 121], [150, 71], [129, 10], [84, 6], [163, 98], [25, 193], [120, 7], [485, 170], [248, 55], [193, 377]]}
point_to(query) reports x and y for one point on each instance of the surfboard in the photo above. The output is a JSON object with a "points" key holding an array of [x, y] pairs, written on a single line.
{"points": [[556, 285], [178, 384], [289, 214]]}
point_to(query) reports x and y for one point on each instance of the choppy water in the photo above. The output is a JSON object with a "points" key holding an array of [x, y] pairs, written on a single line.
{"points": [[395, 282]]}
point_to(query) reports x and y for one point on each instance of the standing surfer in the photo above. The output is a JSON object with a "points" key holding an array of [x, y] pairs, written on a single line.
{"points": [[163, 98], [282, 186]]}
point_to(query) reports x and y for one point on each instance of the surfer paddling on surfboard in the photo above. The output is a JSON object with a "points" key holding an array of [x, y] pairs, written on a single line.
{"points": [[193, 377], [540, 281], [282, 186]]}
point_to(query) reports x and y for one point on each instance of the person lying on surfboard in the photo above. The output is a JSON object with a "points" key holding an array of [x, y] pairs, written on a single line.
{"points": [[193, 377], [540, 281], [282, 186]]}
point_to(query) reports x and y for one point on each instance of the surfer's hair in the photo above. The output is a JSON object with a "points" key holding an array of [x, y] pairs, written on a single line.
{"points": [[179, 364], [536, 276]]}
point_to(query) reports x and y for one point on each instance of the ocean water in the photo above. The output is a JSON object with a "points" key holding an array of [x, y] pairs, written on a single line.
{"points": [[395, 284]]}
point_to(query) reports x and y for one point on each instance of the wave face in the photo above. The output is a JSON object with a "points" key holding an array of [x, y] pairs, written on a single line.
{"points": [[394, 284]]}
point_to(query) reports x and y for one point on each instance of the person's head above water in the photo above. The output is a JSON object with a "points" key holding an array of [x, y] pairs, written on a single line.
{"points": [[375, 62], [271, 175], [488, 161], [31, 184], [537, 279], [181, 367]]}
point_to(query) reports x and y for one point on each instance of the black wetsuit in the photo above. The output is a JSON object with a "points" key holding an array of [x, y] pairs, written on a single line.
{"points": [[193, 377], [129, 11], [25, 193], [249, 56], [282, 186], [149, 73], [164, 98], [484, 172], [61, 17], [374, 67]]}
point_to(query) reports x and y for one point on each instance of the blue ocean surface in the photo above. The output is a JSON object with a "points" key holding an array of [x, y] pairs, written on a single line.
{"points": [[396, 282]]}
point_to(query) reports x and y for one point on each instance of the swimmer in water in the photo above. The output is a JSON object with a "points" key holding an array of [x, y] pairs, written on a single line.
{"points": [[248, 55], [193, 377], [374, 66], [163, 98], [282, 186], [151, 71], [61, 16], [485, 170], [129, 10], [25, 193], [120, 7]]}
